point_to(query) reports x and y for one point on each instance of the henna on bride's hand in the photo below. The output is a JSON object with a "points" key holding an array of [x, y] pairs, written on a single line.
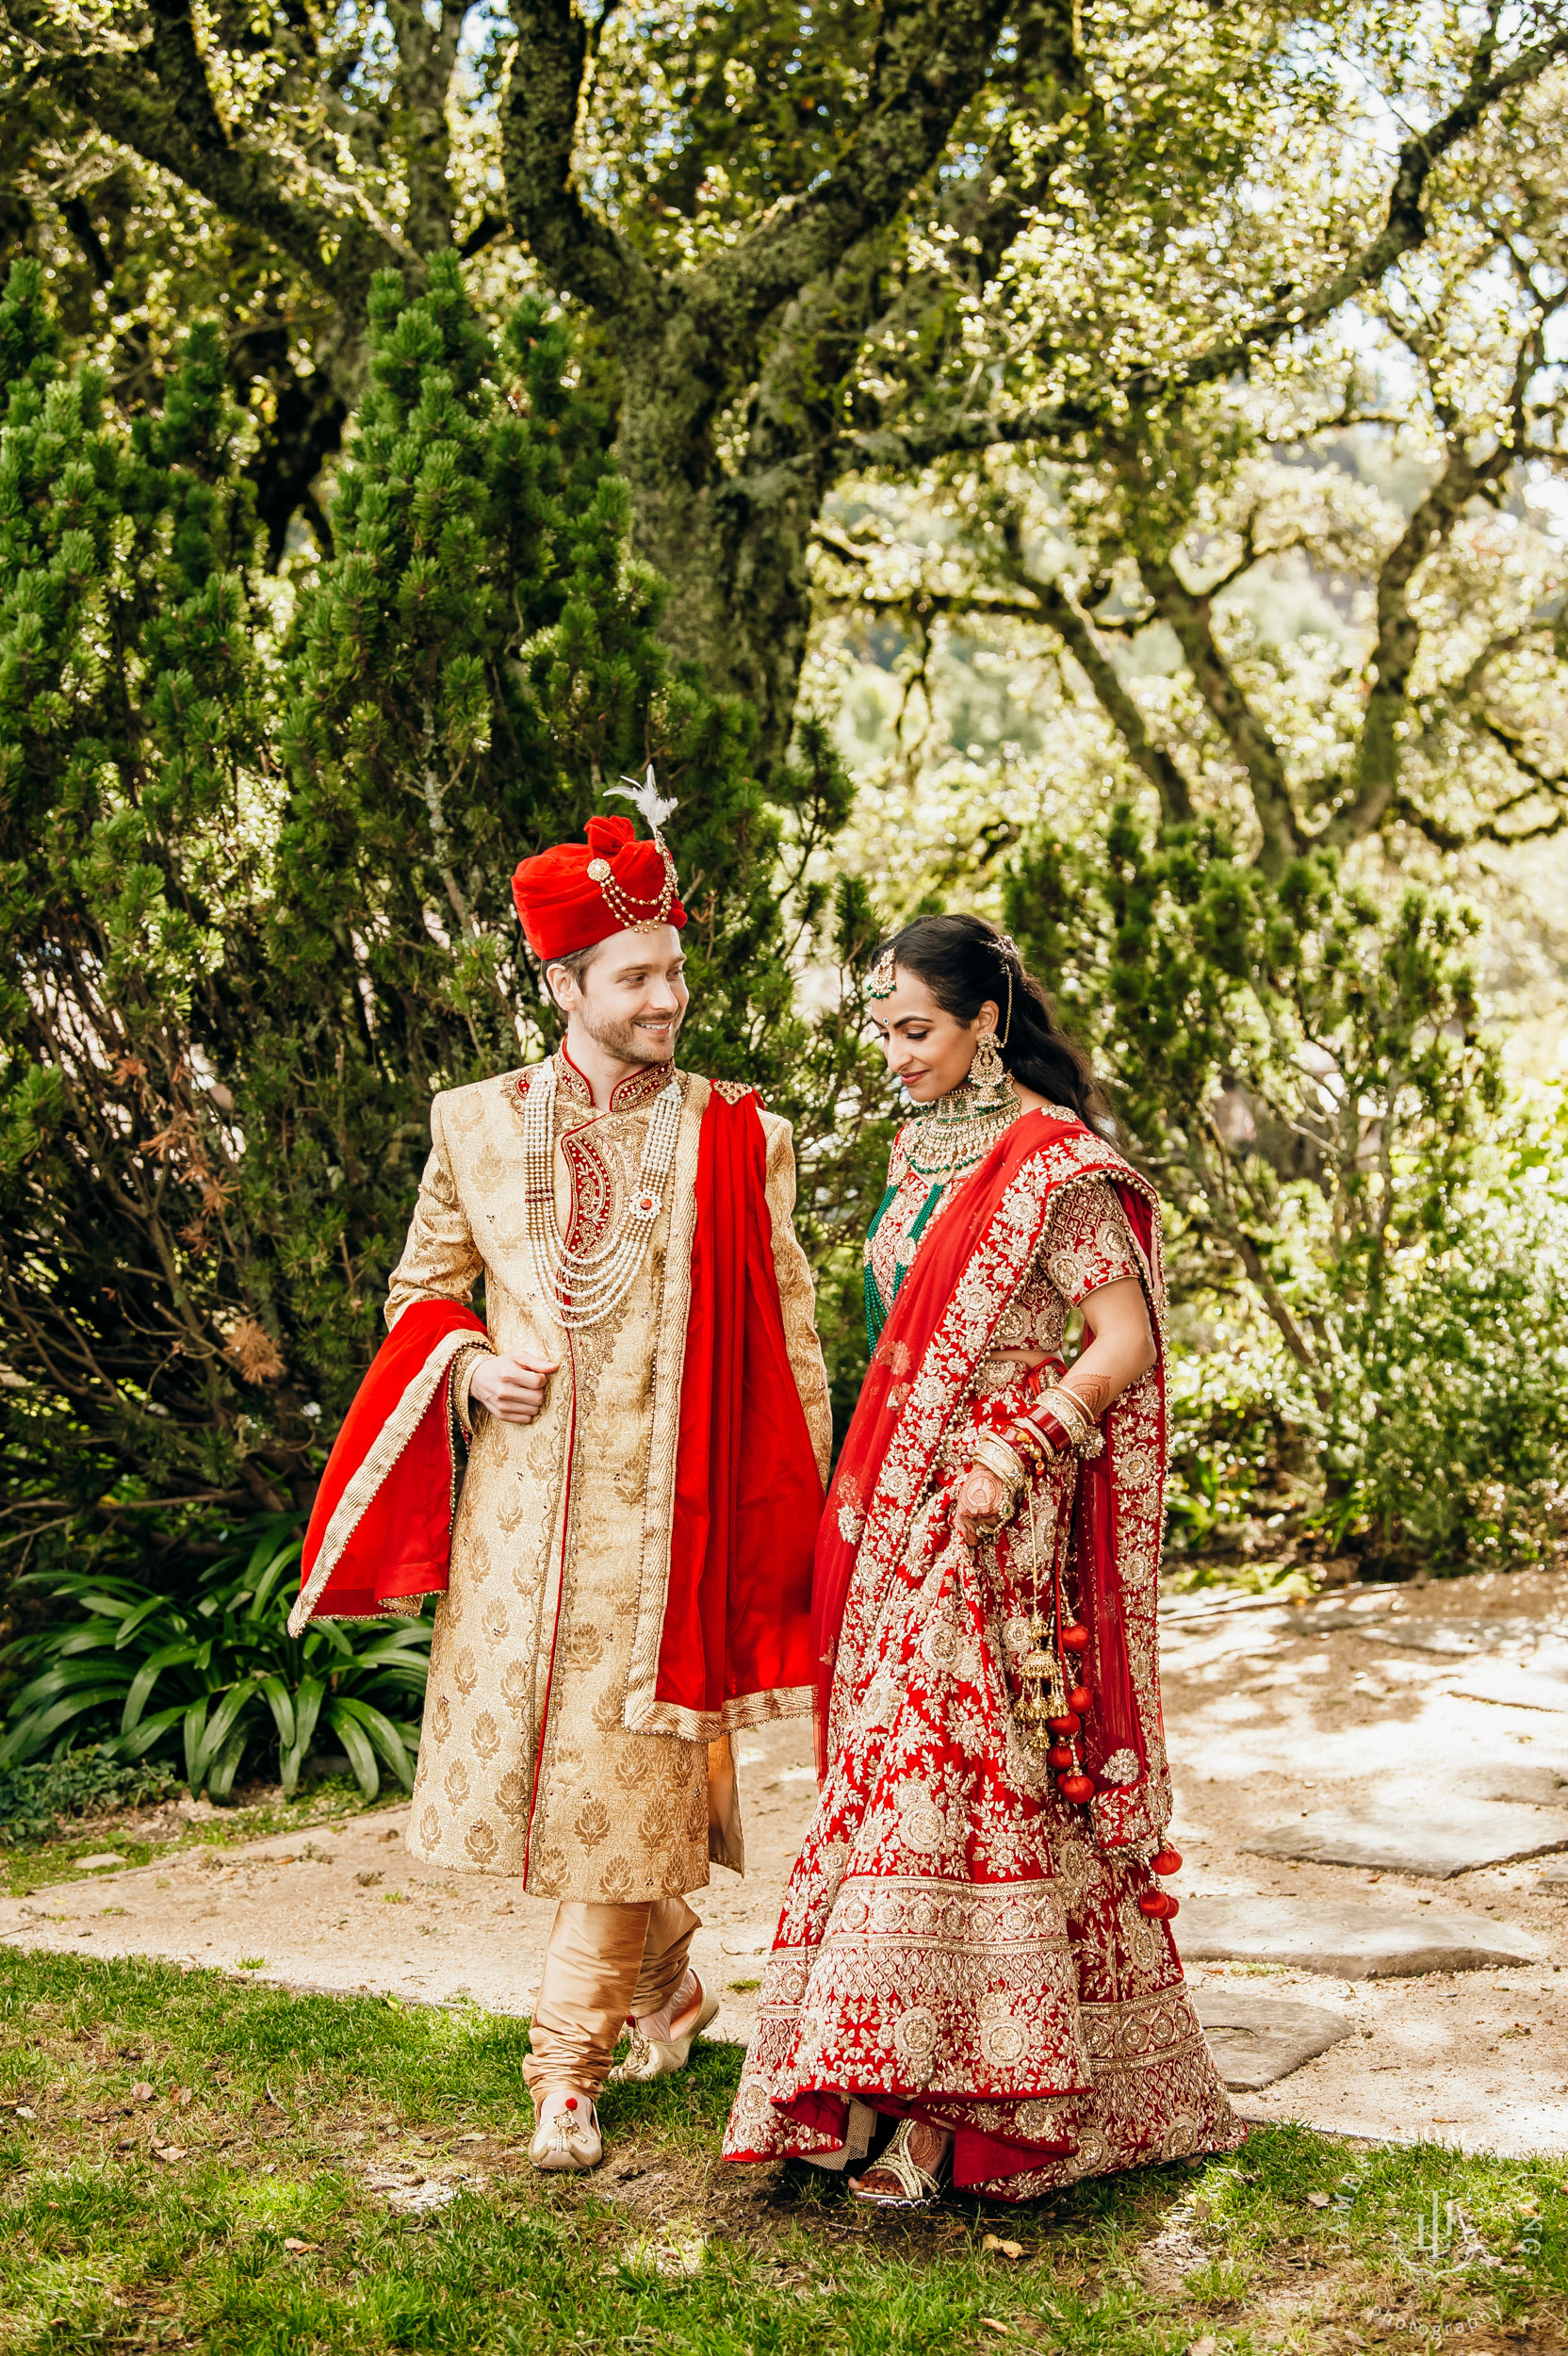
{"points": [[1092, 1392]]}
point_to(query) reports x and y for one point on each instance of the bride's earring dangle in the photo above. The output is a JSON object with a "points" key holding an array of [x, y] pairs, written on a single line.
{"points": [[960, 1129]]}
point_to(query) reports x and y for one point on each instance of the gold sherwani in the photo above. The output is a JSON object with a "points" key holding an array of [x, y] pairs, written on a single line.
{"points": [[544, 1753]]}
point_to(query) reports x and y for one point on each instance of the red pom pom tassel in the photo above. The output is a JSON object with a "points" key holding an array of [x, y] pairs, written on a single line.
{"points": [[1077, 1788], [1076, 1638], [1079, 1698], [1168, 1861]]}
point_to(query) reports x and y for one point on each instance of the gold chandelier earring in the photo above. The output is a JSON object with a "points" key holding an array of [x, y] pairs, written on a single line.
{"points": [[989, 1077]]}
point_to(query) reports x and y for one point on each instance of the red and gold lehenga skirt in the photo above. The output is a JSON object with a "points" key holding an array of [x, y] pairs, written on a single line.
{"points": [[954, 1945]]}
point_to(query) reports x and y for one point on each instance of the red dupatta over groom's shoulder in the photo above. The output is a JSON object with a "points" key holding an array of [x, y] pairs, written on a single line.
{"points": [[728, 1593], [971, 1264]]}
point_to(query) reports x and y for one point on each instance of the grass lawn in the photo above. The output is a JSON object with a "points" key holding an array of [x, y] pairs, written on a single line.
{"points": [[194, 2161]]}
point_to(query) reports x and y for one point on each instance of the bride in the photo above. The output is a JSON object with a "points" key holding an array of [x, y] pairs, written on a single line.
{"points": [[974, 1943]]}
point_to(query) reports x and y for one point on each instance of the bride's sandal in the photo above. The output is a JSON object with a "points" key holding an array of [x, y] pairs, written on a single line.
{"points": [[911, 2185]]}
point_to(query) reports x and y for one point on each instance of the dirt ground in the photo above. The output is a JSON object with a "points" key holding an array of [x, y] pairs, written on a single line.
{"points": [[1273, 1714]]}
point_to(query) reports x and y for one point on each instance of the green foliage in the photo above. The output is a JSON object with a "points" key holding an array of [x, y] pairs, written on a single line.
{"points": [[255, 868], [1449, 1435], [207, 1678], [37, 1796], [1303, 1074]]}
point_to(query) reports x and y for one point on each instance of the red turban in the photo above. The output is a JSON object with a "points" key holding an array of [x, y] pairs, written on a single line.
{"points": [[578, 893]]}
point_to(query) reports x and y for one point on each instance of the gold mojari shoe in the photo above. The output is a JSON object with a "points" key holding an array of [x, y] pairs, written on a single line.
{"points": [[568, 2136], [662, 2056]]}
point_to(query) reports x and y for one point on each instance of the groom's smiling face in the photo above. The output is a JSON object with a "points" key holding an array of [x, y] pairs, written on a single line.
{"points": [[630, 996]]}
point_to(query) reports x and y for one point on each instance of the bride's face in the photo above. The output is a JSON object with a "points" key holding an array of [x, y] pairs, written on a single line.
{"points": [[929, 1051]]}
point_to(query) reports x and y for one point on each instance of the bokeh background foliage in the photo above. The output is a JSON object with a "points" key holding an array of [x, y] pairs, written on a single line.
{"points": [[1097, 464]]}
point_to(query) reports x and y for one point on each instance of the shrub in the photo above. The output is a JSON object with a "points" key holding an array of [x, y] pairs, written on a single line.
{"points": [[1302, 1070], [255, 873], [207, 1678], [37, 1798]]}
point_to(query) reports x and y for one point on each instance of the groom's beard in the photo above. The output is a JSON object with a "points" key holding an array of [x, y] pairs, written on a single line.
{"points": [[627, 1042]]}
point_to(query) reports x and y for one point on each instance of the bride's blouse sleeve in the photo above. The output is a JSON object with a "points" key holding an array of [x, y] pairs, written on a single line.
{"points": [[1087, 1245]]}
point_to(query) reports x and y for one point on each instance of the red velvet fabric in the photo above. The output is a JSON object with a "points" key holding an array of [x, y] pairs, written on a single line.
{"points": [[402, 1542], [946, 1253], [563, 909], [738, 1618]]}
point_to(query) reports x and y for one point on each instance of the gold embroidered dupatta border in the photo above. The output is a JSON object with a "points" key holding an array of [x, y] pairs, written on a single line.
{"points": [[938, 1389]]}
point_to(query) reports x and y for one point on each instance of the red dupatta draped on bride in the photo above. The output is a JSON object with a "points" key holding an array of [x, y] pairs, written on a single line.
{"points": [[943, 1323]]}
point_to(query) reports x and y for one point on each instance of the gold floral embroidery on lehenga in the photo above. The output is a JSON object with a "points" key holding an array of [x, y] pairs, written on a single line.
{"points": [[956, 1939]]}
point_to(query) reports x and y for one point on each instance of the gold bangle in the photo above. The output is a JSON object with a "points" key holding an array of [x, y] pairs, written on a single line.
{"points": [[1069, 1412], [990, 1451]]}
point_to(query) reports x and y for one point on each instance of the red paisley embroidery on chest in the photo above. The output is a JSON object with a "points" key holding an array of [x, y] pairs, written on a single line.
{"points": [[593, 1190]]}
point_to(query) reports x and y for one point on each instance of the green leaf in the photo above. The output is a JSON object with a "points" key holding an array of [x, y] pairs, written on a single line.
{"points": [[362, 1759], [383, 1733], [28, 1738], [281, 1702], [141, 1685]]}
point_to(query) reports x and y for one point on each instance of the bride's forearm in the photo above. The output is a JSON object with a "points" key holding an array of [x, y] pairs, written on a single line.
{"points": [[1122, 1347]]}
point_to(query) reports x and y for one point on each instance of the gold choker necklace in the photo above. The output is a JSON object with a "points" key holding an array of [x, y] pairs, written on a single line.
{"points": [[960, 1128]]}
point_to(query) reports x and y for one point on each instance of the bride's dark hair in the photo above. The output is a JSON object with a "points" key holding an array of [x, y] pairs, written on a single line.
{"points": [[963, 961]]}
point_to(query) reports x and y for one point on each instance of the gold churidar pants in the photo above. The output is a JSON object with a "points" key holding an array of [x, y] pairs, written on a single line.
{"points": [[602, 1962]]}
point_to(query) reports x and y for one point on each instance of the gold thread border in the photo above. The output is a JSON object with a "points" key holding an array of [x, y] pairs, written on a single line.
{"points": [[390, 1442]]}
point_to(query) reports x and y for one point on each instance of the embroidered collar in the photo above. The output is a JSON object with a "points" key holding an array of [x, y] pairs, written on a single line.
{"points": [[639, 1088]]}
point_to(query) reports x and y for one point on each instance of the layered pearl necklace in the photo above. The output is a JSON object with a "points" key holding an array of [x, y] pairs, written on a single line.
{"points": [[584, 1287]]}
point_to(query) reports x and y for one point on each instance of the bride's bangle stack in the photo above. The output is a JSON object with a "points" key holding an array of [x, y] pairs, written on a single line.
{"points": [[997, 1455], [1060, 1424]]}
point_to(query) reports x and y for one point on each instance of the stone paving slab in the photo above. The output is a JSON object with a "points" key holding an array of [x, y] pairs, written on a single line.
{"points": [[1515, 1635], [1256, 2039], [1443, 1836], [1528, 1782], [1514, 1689], [1346, 1940]]}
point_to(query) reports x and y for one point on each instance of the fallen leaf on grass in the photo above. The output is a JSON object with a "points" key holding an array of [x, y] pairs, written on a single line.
{"points": [[26, 2110], [1317, 2201], [992, 2325], [1006, 2249], [183, 2098], [1206, 2346], [169, 2152], [300, 2249], [141, 2091]]}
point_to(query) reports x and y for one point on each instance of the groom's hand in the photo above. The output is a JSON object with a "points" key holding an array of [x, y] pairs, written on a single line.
{"points": [[513, 1388]]}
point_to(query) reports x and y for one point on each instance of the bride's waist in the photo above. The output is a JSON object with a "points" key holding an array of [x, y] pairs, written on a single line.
{"points": [[1027, 1372]]}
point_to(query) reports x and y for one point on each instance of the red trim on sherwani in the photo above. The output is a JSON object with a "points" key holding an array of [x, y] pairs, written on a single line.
{"points": [[737, 1615], [381, 1529]]}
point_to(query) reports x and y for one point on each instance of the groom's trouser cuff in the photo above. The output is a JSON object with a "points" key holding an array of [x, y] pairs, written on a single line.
{"points": [[602, 1963]]}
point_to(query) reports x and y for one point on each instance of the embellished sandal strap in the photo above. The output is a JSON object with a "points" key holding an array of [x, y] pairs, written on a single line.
{"points": [[914, 2182]]}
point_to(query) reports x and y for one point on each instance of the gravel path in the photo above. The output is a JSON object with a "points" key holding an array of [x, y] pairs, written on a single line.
{"points": [[1277, 1716]]}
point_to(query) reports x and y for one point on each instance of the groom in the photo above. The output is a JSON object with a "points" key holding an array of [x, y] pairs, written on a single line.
{"points": [[627, 1575]]}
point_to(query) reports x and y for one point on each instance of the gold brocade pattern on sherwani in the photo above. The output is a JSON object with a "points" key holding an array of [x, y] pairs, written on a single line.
{"points": [[531, 1763]]}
